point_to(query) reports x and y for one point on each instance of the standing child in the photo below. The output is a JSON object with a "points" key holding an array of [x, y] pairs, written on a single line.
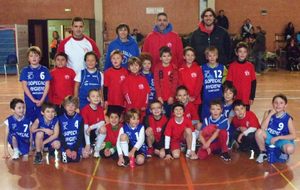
{"points": [[245, 124], [112, 132], [87, 79], [62, 82], [131, 140], [46, 130], [35, 80], [241, 74], [93, 117], [113, 80], [178, 129], [214, 75], [277, 128], [165, 79], [155, 126], [71, 132], [146, 60], [213, 134], [190, 75], [135, 87], [17, 132]]}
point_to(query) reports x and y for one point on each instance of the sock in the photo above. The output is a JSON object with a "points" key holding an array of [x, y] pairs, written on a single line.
{"points": [[86, 137], [100, 140], [197, 132], [188, 152], [193, 145], [16, 149], [124, 147]]}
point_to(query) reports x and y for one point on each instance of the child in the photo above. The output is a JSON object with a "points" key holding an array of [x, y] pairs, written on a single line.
{"points": [[190, 111], [71, 132], [165, 79], [46, 130], [35, 80], [112, 132], [17, 132], [135, 87], [190, 75], [241, 74], [213, 134], [214, 75], [113, 80], [245, 124], [146, 60], [131, 137], [277, 128], [62, 82], [178, 129], [155, 126], [93, 117], [87, 79]]}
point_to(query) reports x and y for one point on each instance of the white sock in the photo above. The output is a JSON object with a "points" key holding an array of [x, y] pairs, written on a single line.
{"points": [[86, 136], [16, 149], [100, 140], [188, 152], [197, 132], [194, 138], [124, 147]]}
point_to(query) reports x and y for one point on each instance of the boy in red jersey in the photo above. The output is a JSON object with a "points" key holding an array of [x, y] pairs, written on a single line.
{"points": [[93, 117], [112, 132], [246, 124], [165, 79], [135, 87], [241, 74], [178, 129], [190, 75], [113, 80], [155, 125], [62, 82]]}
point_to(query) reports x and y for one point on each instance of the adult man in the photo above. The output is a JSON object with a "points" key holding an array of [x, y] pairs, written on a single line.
{"points": [[77, 45], [162, 35], [208, 34], [222, 20]]}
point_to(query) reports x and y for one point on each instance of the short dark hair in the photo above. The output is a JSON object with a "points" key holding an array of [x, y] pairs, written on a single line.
{"points": [[216, 102], [145, 56], [113, 111], [91, 53], [238, 103], [62, 54], [241, 45], [122, 25], [282, 96], [133, 60], [164, 49], [47, 105], [14, 102], [93, 90], [77, 19], [181, 87], [130, 113], [155, 102], [208, 10], [161, 14], [229, 86], [177, 104]]}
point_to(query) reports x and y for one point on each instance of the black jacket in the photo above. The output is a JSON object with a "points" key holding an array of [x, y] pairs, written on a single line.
{"points": [[218, 38]]}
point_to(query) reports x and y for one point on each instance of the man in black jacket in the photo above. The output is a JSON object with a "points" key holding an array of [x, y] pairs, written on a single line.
{"points": [[222, 20], [209, 34]]}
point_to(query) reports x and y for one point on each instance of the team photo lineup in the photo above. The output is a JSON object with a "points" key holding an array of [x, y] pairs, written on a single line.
{"points": [[159, 100]]}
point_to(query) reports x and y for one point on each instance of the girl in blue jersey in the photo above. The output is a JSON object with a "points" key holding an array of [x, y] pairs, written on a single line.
{"points": [[131, 140], [88, 79], [277, 128], [35, 80], [17, 132], [71, 132], [46, 130]]}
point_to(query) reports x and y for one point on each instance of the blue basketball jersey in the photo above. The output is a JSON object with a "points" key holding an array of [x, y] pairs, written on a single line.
{"points": [[133, 135], [221, 122], [45, 125], [150, 79], [88, 82], [279, 125], [228, 110], [69, 128]]}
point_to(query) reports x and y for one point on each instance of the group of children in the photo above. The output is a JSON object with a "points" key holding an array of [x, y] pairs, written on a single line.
{"points": [[149, 111]]}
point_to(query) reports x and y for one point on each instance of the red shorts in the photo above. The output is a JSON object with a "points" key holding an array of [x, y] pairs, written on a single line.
{"points": [[175, 144]]}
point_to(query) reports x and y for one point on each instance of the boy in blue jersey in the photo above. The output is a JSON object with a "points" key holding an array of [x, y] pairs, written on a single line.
{"points": [[214, 74], [146, 72], [88, 79], [71, 132], [131, 140], [213, 134], [17, 131], [276, 128], [46, 130], [35, 80]]}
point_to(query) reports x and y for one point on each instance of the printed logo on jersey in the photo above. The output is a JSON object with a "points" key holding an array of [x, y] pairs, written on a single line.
{"points": [[141, 86], [67, 77], [64, 125], [194, 75], [122, 77], [188, 116], [14, 126], [169, 44], [158, 129], [247, 124], [30, 75], [247, 73], [85, 49]]}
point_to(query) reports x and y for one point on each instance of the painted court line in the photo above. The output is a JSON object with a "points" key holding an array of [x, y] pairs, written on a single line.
{"points": [[284, 177], [94, 174], [186, 172]]}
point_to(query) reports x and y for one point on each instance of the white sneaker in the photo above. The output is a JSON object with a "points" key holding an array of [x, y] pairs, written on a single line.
{"points": [[261, 157], [97, 152], [251, 155], [16, 155]]}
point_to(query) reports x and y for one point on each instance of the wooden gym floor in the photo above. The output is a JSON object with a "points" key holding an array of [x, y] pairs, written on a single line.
{"points": [[240, 173]]}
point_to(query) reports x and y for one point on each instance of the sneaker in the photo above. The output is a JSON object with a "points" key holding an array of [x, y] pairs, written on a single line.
{"points": [[16, 155], [150, 152], [38, 158], [225, 156], [261, 157], [252, 153], [126, 161], [96, 154]]}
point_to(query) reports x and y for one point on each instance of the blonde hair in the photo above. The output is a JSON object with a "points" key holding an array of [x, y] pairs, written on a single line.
{"points": [[35, 50], [211, 49], [71, 99]]}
